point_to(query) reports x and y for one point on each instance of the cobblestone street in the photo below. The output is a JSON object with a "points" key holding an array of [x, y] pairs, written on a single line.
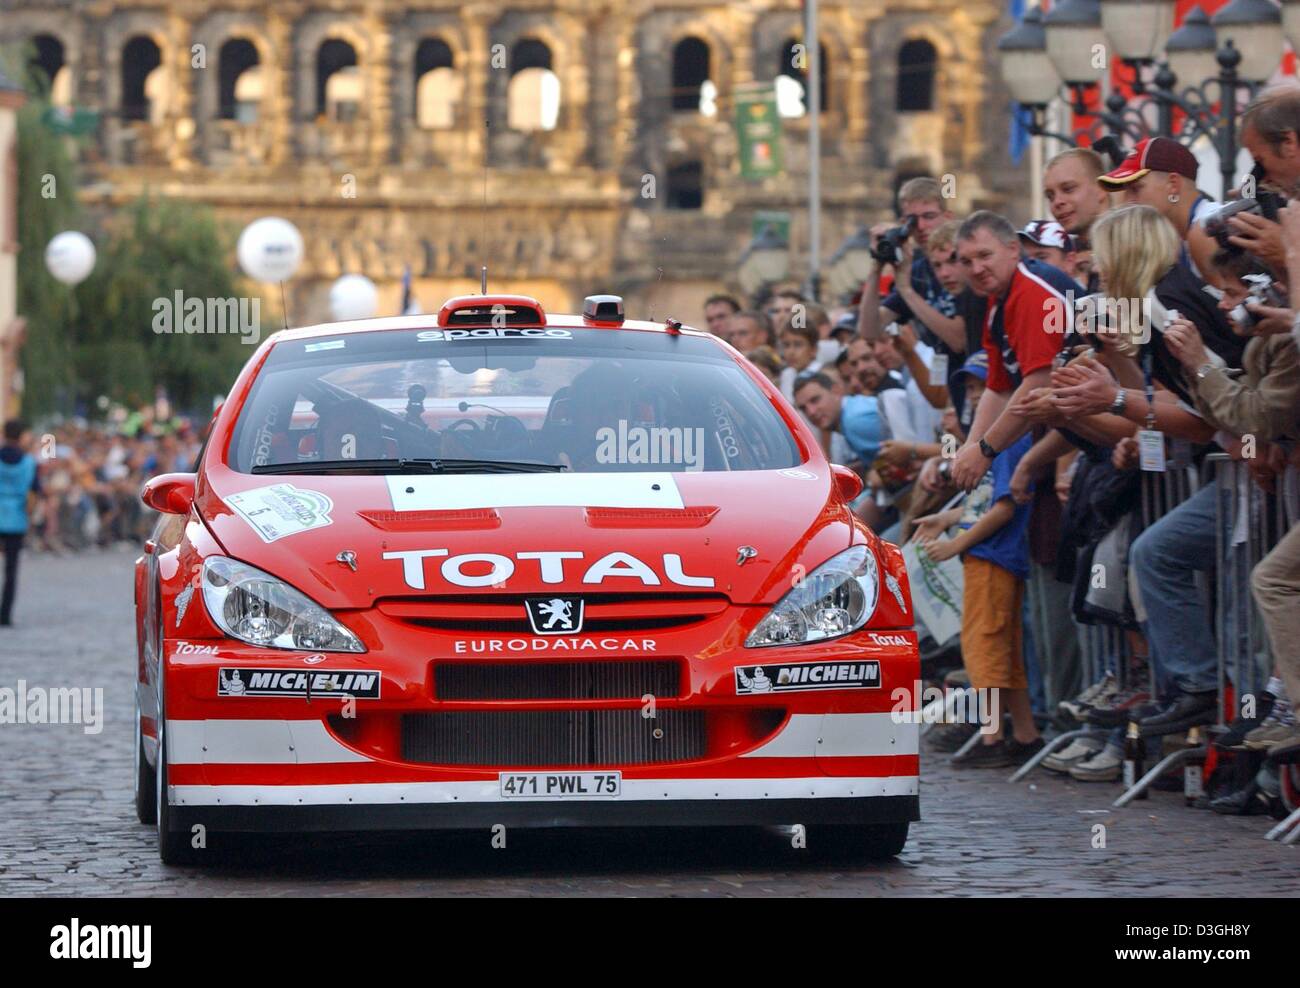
{"points": [[69, 826]]}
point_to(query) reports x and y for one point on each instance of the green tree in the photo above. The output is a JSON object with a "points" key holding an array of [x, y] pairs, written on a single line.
{"points": [[155, 248], [47, 204]]}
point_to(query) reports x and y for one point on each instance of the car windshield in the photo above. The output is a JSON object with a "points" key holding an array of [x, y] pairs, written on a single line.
{"points": [[498, 400]]}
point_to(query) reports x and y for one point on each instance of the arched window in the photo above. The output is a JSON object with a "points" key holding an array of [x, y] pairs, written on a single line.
{"points": [[437, 87], [533, 94], [338, 81], [238, 81], [140, 58], [47, 59], [916, 64], [685, 186], [791, 100], [690, 73]]}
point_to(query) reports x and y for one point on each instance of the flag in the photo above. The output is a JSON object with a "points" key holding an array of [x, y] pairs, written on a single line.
{"points": [[1019, 137]]}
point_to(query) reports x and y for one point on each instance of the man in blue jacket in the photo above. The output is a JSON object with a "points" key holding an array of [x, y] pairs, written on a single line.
{"points": [[17, 483]]}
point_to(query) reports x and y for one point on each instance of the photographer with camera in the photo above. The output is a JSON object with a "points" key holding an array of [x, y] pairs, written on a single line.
{"points": [[918, 294], [1270, 131]]}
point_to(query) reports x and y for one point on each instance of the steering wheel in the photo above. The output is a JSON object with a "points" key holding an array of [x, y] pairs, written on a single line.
{"points": [[465, 423]]}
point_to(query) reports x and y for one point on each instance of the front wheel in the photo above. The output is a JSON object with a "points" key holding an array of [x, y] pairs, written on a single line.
{"points": [[174, 846], [146, 779], [854, 842]]}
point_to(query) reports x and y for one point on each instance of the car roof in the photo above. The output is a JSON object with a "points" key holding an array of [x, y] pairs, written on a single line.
{"points": [[430, 321]]}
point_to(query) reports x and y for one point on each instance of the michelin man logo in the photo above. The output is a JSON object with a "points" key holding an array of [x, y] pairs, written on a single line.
{"points": [[234, 686], [757, 683], [555, 615]]}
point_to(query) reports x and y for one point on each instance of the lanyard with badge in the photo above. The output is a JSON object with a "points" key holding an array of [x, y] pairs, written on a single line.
{"points": [[1151, 441]]}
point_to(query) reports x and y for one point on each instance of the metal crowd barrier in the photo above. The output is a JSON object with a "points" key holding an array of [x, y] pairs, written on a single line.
{"points": [[1249, 523]]}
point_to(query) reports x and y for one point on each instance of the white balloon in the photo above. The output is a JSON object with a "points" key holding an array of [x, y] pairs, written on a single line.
{"points": [[354, 296], [70, 257], [270, 249]]}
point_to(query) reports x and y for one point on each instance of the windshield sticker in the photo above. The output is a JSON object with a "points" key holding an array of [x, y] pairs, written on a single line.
{"points": [[504, 333], [281, 509], [327, 345]]}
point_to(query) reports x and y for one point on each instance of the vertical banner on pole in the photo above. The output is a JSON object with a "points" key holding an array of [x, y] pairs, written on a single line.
{"points": [[758, 131]]}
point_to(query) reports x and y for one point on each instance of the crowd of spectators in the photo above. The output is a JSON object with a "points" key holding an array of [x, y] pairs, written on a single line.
{"points": [[89, 477], [1008, 394]]}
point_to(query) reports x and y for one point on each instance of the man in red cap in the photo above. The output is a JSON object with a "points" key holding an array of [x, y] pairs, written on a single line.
{"points": [[1161, 173]]}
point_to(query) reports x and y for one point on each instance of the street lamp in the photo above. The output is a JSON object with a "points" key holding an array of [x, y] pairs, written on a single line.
{"points": [[1254, 27], [1027, 70], [1137, 29], [1190, 50], [1291, 22], [1240, 48], [1073, 29], [765, 261], [850, 266]]}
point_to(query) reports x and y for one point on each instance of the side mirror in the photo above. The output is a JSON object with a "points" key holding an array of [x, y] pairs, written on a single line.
{"points": [[848, 483], [170, 493]]}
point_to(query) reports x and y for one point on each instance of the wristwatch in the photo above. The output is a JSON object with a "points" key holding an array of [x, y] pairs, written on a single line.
{"points": [[1117, 406], [1203, 371], [987, 450]]}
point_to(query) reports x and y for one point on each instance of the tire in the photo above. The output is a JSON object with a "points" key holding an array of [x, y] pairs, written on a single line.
{"points": [[174, 846], [875, 842], [146, 779]]}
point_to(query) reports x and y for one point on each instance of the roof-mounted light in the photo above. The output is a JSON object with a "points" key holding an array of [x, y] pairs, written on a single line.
{"points": [[602, 310], [491, 310]]}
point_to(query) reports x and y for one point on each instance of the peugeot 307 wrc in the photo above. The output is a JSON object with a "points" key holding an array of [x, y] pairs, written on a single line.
{"points": [[511, 568]]}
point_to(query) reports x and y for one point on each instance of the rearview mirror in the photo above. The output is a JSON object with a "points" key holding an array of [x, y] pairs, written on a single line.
{"points": [[848, 483], [170, 493]]}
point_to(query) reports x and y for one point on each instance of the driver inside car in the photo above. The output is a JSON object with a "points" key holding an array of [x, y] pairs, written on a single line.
{"points": [[350, 430], [598, 398]]}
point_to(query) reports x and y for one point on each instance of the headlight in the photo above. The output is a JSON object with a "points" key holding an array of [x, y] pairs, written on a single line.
{"points": [[838, 597], [260, 609]]}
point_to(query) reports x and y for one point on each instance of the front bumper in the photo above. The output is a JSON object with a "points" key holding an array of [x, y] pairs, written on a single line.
{"points": [[829, 755]]}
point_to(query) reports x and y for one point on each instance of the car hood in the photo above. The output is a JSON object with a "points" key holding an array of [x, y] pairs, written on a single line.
{"points": [[744, 534]]}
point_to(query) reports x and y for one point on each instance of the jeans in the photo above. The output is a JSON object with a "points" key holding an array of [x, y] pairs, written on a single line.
{"points": [[1166, 558], [1033, 670], [12, 544]]}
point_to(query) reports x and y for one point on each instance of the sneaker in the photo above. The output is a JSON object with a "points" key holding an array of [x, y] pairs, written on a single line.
{"points": [[949, 737], [982, 755], [1116, 709], [1078, 750], [1183, 712], [1022, 752], [1105, 766], [1084, 700], [1267, 736]]}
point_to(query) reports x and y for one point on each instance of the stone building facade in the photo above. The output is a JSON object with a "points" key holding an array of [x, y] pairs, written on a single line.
{"points": [[446, 134]]}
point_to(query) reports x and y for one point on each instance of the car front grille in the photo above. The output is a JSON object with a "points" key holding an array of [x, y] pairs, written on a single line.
{"points": [[506, 614], [553, 738], [595, 680]]}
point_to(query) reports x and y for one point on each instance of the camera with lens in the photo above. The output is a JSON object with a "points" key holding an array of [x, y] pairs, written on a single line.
{"points": [[1263, 203], [889, 248], [1262, 292]]}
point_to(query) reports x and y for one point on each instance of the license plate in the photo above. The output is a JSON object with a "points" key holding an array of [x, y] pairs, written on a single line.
{"points": [[561, 785]]}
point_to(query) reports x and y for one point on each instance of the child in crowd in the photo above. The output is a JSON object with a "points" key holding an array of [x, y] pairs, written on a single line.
{"points": [[993, 544]]}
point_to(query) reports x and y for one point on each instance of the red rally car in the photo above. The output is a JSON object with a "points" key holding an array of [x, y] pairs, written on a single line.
{"points": [[511, 568]]}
